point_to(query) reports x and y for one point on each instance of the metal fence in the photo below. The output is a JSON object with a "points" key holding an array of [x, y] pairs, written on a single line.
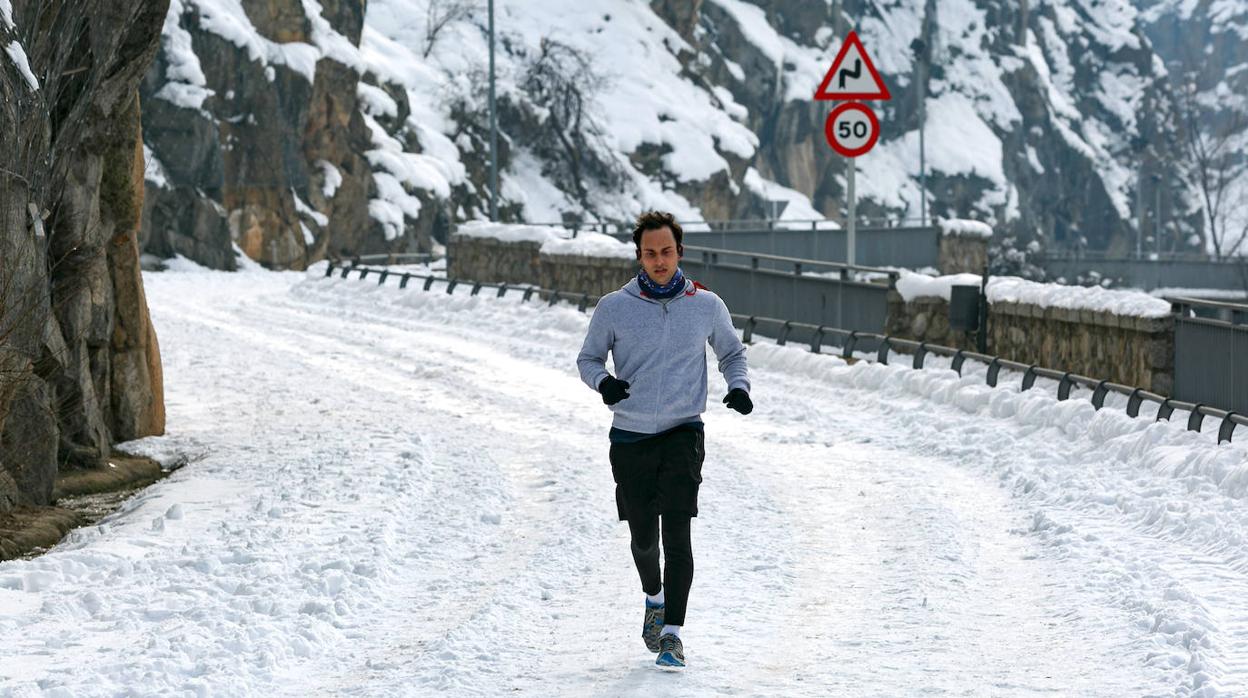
{"points": [[801, 290], [907, 247], [910, 248], [818, 335], [1169, 271], [1211, 353]]}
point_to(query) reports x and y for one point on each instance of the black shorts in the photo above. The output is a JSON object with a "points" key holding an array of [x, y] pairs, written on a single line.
{"points": [[659, 475]]}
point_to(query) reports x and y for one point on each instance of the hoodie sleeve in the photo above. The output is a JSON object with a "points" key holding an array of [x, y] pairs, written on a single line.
{"points": [[728, 348], [592, 361]]}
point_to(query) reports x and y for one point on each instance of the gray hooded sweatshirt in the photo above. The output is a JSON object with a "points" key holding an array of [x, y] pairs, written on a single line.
{"points": [[659, 347]]}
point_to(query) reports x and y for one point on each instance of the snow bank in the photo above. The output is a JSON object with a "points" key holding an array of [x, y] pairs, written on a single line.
{"points": [[963, 227], [1010, 289]]}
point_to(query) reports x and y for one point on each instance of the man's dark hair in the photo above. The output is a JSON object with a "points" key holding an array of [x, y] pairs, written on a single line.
{"points": [[654, 220]]}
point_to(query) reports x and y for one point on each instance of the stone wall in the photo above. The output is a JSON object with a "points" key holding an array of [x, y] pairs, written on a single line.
{"points": [[963, 254], [1124, 349], [596, 276], [522, 262], [493, 261]]}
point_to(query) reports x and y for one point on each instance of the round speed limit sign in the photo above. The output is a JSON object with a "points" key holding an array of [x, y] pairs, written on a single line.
{"points": [[852, 129]]}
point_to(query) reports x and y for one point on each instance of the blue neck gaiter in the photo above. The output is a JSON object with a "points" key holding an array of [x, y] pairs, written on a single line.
{"points": [[668, 290]]}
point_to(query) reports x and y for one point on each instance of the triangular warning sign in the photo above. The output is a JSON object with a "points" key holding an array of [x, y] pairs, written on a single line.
{"points": [[852, 75]]}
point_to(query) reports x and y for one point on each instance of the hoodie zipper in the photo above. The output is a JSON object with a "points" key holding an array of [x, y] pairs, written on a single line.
{"points": [[662, 352]]}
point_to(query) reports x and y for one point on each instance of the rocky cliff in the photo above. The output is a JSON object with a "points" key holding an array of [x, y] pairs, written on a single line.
{"points": [[300, 128], [79, 361]]}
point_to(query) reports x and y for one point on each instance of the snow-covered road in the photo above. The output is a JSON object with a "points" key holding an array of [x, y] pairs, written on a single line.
{"points": [[407, 493]]}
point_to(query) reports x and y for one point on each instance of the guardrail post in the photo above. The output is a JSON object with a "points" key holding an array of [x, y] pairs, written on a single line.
{"points": [[1063, 387], [428, 283], [450, 286], [1133, 402], [920, 355], [502, 289], [554, 298], [816, 342], [382, 279], [784, 333], [364, 272], [1029, 379], [1098, 395], [403, 280], [329, 270], [1228, 426], [1195, 419], [747, 334], [528, 293], [1164, 410], [881, 354], [958, 359], [345, 271], [584, 303], [994, 368], [847, 351], [476, 288]]}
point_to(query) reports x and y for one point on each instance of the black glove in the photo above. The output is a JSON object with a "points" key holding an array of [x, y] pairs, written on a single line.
{"points": [[739, 400], [613, 390]]}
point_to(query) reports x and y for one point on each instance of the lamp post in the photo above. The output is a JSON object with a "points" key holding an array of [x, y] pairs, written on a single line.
{"points": [[493, 128], [919, 46]]}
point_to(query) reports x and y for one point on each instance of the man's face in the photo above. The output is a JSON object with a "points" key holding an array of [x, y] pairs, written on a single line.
{"points": [[658, 254]]}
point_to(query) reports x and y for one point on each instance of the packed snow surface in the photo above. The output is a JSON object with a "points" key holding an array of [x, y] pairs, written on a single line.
{"points": [[407, 493]]}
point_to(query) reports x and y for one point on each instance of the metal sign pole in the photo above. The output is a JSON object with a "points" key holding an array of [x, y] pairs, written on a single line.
{"points": [[849, 255]]}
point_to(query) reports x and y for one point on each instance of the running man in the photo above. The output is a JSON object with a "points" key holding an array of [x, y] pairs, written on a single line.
{"points": [[657, 327]]}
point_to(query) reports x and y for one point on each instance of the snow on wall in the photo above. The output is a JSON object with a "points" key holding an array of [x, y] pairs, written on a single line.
{"points": [[590, 244], [963, 227], [1009, 289], [513, 232]]}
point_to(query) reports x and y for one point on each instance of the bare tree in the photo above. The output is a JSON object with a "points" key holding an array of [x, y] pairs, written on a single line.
{"points": [[441, 13], [1213, 144], [561, 82]]}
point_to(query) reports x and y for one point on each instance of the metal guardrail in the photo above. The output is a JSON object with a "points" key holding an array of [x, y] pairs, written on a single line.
{"points": [[626, 227], [799, 265], [1173, 271], [909, 247], [884, 344], [770, 285], [1066, 379], [388, 257], [1211, 352]]}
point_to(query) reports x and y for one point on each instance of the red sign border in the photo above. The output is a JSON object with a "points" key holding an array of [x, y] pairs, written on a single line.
{"points": [[822, 94], [829, 131]]}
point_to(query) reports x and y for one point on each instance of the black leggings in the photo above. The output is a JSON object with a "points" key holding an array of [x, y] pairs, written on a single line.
{"points": [[677, 555]]}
